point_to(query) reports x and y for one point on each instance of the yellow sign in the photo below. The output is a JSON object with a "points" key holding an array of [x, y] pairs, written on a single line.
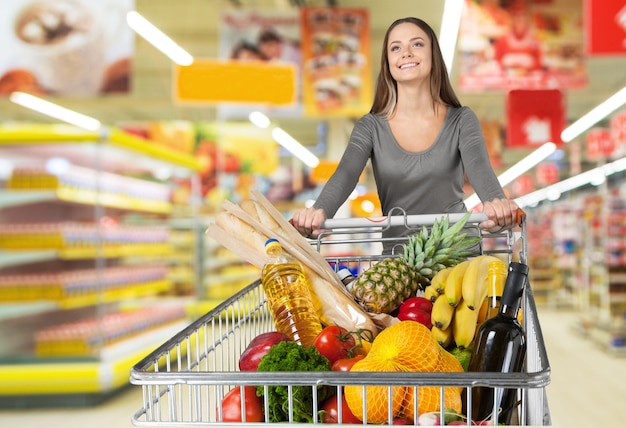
{"points": [[215, 81]]}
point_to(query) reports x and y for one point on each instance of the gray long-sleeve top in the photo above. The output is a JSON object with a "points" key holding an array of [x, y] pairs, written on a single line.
{"points": [[426, 182]]}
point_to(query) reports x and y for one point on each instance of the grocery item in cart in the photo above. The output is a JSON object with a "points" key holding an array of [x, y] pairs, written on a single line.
{"points": [[384, 286], [245, 227], [289, 298], [496, 279], [407, 346], [500, 346], [185, 379]]}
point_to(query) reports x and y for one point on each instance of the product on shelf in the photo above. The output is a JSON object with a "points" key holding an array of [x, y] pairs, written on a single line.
{"points": [[70, 234], [86, 337], [74, 286]]}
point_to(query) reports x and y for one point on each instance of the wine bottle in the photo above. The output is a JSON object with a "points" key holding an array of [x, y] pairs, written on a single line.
{"points": [[500, 346]]}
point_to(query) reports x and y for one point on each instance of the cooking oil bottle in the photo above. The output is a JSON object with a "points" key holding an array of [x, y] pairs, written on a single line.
{"points": [[288, 295]]}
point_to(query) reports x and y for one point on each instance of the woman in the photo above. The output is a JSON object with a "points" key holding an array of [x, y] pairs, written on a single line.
{"points": [[420, 140]]}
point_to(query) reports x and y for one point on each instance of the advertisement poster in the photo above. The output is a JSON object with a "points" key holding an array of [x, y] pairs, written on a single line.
{"points": [[534, 117], [532, 44], [605, 23], [236, 157], [65, 47], [336, 61], [270, 36]]}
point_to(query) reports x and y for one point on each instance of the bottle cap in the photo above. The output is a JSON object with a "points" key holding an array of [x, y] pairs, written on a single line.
{"points": [[271, 243], [344, 273]]}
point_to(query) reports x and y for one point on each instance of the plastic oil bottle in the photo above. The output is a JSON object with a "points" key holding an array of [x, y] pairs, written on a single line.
{"points": [[288, 295]]}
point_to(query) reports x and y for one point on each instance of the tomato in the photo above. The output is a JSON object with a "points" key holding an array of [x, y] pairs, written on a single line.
{"points": [[231, 405], [345, 364], [334, 343], [331, 414]]}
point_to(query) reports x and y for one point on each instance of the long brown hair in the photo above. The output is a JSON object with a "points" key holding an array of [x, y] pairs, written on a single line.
{"points": [[441, 90]]}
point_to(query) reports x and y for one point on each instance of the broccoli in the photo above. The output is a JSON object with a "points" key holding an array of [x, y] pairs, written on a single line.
{"points": [[291, 357]]}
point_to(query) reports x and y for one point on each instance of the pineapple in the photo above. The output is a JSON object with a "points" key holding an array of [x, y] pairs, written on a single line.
{"points": [[385, 285]]}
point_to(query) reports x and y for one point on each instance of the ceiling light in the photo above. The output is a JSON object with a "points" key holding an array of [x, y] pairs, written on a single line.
{"points": [[450, 22], [259, 119], [553, 192], [594, 116], [56, 111], [298, 150], [516, 170], [158, 39]]}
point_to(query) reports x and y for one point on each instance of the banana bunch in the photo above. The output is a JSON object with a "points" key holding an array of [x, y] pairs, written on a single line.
{"points": [[459, 296]]}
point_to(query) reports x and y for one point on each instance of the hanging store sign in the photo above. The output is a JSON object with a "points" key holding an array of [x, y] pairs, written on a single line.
{"points": [[257, 40], [522, 44], [534, 117], [522, 185], [547, 173], [336, 62], [605, 23], [214, 82], [599, 144], [617, 126], [65, 48]]}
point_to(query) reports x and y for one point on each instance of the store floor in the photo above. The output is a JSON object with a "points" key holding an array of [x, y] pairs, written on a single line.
{"points": [[587, 388]]}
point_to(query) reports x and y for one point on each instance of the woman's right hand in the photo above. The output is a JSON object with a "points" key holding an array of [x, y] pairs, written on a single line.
{"points": [[308, 221]]}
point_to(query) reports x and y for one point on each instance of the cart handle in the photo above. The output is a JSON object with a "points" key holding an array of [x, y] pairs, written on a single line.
{"points": [[408, 220]]}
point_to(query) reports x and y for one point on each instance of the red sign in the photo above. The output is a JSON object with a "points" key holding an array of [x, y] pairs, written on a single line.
{"points": [[523, 184], [547, 173], [605, 22], [534, 117], [599, 143], [618, 132]]}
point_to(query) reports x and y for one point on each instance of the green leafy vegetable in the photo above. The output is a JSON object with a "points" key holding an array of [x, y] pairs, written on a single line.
{"points": [[292, 357]]}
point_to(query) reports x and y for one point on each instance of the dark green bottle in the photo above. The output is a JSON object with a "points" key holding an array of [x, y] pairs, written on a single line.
{"points": [[500, 346]]}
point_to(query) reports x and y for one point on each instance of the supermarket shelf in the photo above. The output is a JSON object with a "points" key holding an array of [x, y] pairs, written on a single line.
{"points": [[11, 310], [8, 258], [23, 256], [15, 198], [43, 134], [21, 381], [9, 198]]}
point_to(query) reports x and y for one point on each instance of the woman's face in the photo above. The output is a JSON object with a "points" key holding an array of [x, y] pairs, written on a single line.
{"points": [[409, 53]]}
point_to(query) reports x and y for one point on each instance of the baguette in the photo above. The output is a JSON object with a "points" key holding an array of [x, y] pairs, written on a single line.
{"points": [[338, 304], [244, 228]]}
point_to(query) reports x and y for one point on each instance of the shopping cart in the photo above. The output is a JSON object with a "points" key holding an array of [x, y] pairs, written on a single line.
{"points": [[185, 379]]}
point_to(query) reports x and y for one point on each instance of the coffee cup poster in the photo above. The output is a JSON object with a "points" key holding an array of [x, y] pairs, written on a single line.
{"points": [[65, 47], [506, 44]]}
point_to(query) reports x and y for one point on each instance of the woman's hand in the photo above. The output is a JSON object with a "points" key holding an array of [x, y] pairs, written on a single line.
{"points": [[308, 221], [501, 214]]}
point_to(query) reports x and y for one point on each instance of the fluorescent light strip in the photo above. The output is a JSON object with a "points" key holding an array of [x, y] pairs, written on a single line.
{"points": [[450, 22], [259, 119], [516, 170], [553, 192], [298, 150], [594, 116], [158, 39], [56, 111]]}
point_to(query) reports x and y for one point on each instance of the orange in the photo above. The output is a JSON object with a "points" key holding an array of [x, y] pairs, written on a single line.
{"points": [[407, 346]]}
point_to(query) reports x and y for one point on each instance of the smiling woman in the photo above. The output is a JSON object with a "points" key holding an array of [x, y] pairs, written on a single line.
{"points": [[421, 141]]}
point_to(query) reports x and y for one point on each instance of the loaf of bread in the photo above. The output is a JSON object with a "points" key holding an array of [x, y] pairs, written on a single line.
{"points": [[245, 227]]}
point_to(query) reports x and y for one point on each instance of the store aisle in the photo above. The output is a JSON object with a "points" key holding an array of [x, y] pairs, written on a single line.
{"points": [[587, 389]]}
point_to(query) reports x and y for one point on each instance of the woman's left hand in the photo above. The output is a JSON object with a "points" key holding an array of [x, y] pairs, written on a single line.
{"points": [[501, 214]]}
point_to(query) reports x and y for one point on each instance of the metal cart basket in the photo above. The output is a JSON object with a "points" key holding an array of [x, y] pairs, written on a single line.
{"points": [[185, 379]]}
